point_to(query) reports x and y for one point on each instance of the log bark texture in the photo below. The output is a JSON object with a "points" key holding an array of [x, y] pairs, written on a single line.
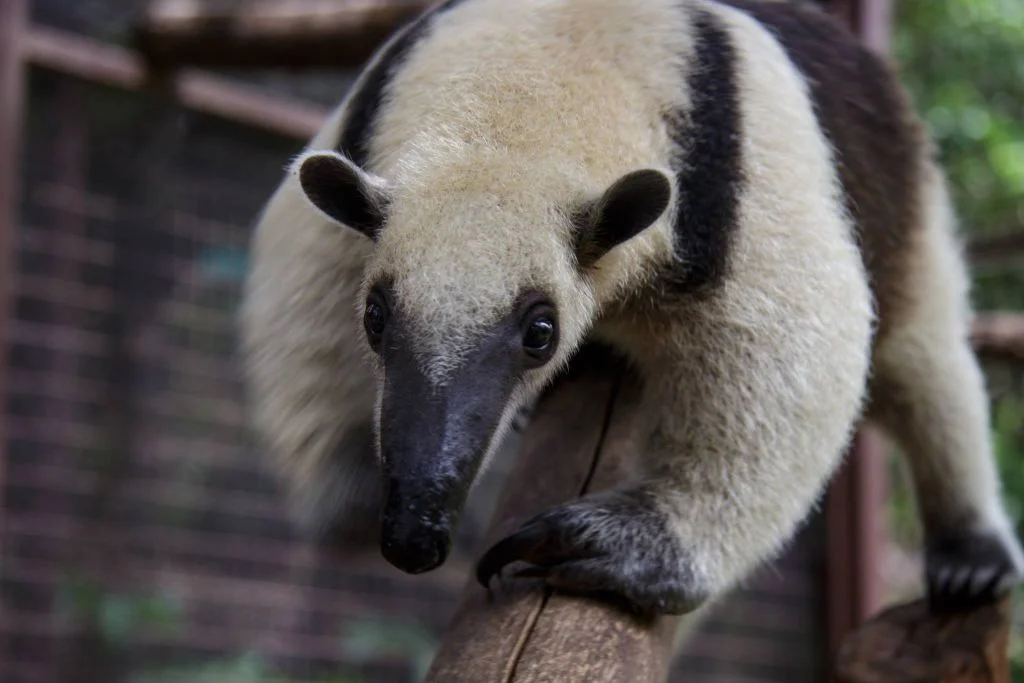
{"points": [[583, 434], [908, 644], [268, 33]]}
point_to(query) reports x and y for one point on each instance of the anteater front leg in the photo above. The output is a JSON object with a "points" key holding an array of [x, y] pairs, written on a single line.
{"points": [[747, 435]]}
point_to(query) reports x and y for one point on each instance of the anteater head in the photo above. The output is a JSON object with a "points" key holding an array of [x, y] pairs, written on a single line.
{"points": [[477, 292]]}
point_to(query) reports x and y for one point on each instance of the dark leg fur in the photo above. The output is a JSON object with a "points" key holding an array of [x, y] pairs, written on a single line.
{"points": [[615, 545], [963, 572]]}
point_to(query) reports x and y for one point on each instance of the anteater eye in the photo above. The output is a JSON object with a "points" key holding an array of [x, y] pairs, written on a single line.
{"points": [[538, 329], [375, 318], [539, 334]]}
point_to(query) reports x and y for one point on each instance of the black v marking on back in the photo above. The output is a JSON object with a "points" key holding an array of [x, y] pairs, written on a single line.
{"points": [[368, 98]]}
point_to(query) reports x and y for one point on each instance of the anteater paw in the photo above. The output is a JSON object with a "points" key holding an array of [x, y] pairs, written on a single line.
{"points": [[615, 546], [967, 571]]}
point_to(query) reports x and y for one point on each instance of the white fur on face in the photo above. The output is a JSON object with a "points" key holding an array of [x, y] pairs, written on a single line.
{"points": [[523, 127], [460, 253], [484, 161]]}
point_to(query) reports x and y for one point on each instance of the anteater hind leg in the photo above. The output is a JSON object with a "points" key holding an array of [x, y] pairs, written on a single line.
{"points": [[928, 393]]}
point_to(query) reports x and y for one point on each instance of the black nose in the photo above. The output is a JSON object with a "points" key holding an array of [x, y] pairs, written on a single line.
{"points": [[415, 529], [417, 551]]}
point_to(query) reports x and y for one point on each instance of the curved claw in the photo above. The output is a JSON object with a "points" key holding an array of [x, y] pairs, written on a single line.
{"points": [[961, 587], [521, 545]]}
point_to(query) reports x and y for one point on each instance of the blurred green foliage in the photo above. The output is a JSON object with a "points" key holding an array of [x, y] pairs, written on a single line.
{"points": [[963, 61], [116, 615], [369, 639]]}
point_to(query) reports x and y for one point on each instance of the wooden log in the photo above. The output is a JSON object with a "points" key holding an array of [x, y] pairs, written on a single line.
{"points": [[268, 33], [581, 438], [908, 644]]}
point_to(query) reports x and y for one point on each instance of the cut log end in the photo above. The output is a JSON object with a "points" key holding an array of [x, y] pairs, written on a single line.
{"points": [[910, 644]]}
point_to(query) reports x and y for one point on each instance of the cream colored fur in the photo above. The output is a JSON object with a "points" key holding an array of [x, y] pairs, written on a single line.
{"points": [[510, 113], [310, 376]]}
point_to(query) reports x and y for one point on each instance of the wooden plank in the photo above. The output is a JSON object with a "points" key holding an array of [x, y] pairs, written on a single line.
{"points": [[13, 15], [855, 501], [269, 33], [109, 65], [583, 434], [855, 522], [12, 21]]}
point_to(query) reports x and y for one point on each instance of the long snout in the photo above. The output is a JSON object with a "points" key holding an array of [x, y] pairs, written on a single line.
{"points": [[433, 440]]}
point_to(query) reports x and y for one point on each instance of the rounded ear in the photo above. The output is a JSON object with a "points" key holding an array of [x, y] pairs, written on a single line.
{"points": [[343, 192], [628, 207]]}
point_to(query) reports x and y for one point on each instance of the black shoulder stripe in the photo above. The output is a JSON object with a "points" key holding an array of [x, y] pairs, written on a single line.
{"points": [[877, 138], [708, 164], [365, 103]]}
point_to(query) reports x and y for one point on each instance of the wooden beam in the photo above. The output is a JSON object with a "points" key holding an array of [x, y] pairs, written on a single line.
{"points": [[874, 24], [109, 65], [909, 644], [999, 336], [855, 503], [853, 541], [582, 437], [13, 15], [1007, 248], [269, 33]]}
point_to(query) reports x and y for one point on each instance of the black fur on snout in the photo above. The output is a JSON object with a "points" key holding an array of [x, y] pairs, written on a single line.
{"points": [[433, 438]]}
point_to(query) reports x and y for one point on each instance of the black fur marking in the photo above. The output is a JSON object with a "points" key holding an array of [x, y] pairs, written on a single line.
{"points": [[365, 103], [615, 546], [628, 207], [966, 571], [708, 164]]}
